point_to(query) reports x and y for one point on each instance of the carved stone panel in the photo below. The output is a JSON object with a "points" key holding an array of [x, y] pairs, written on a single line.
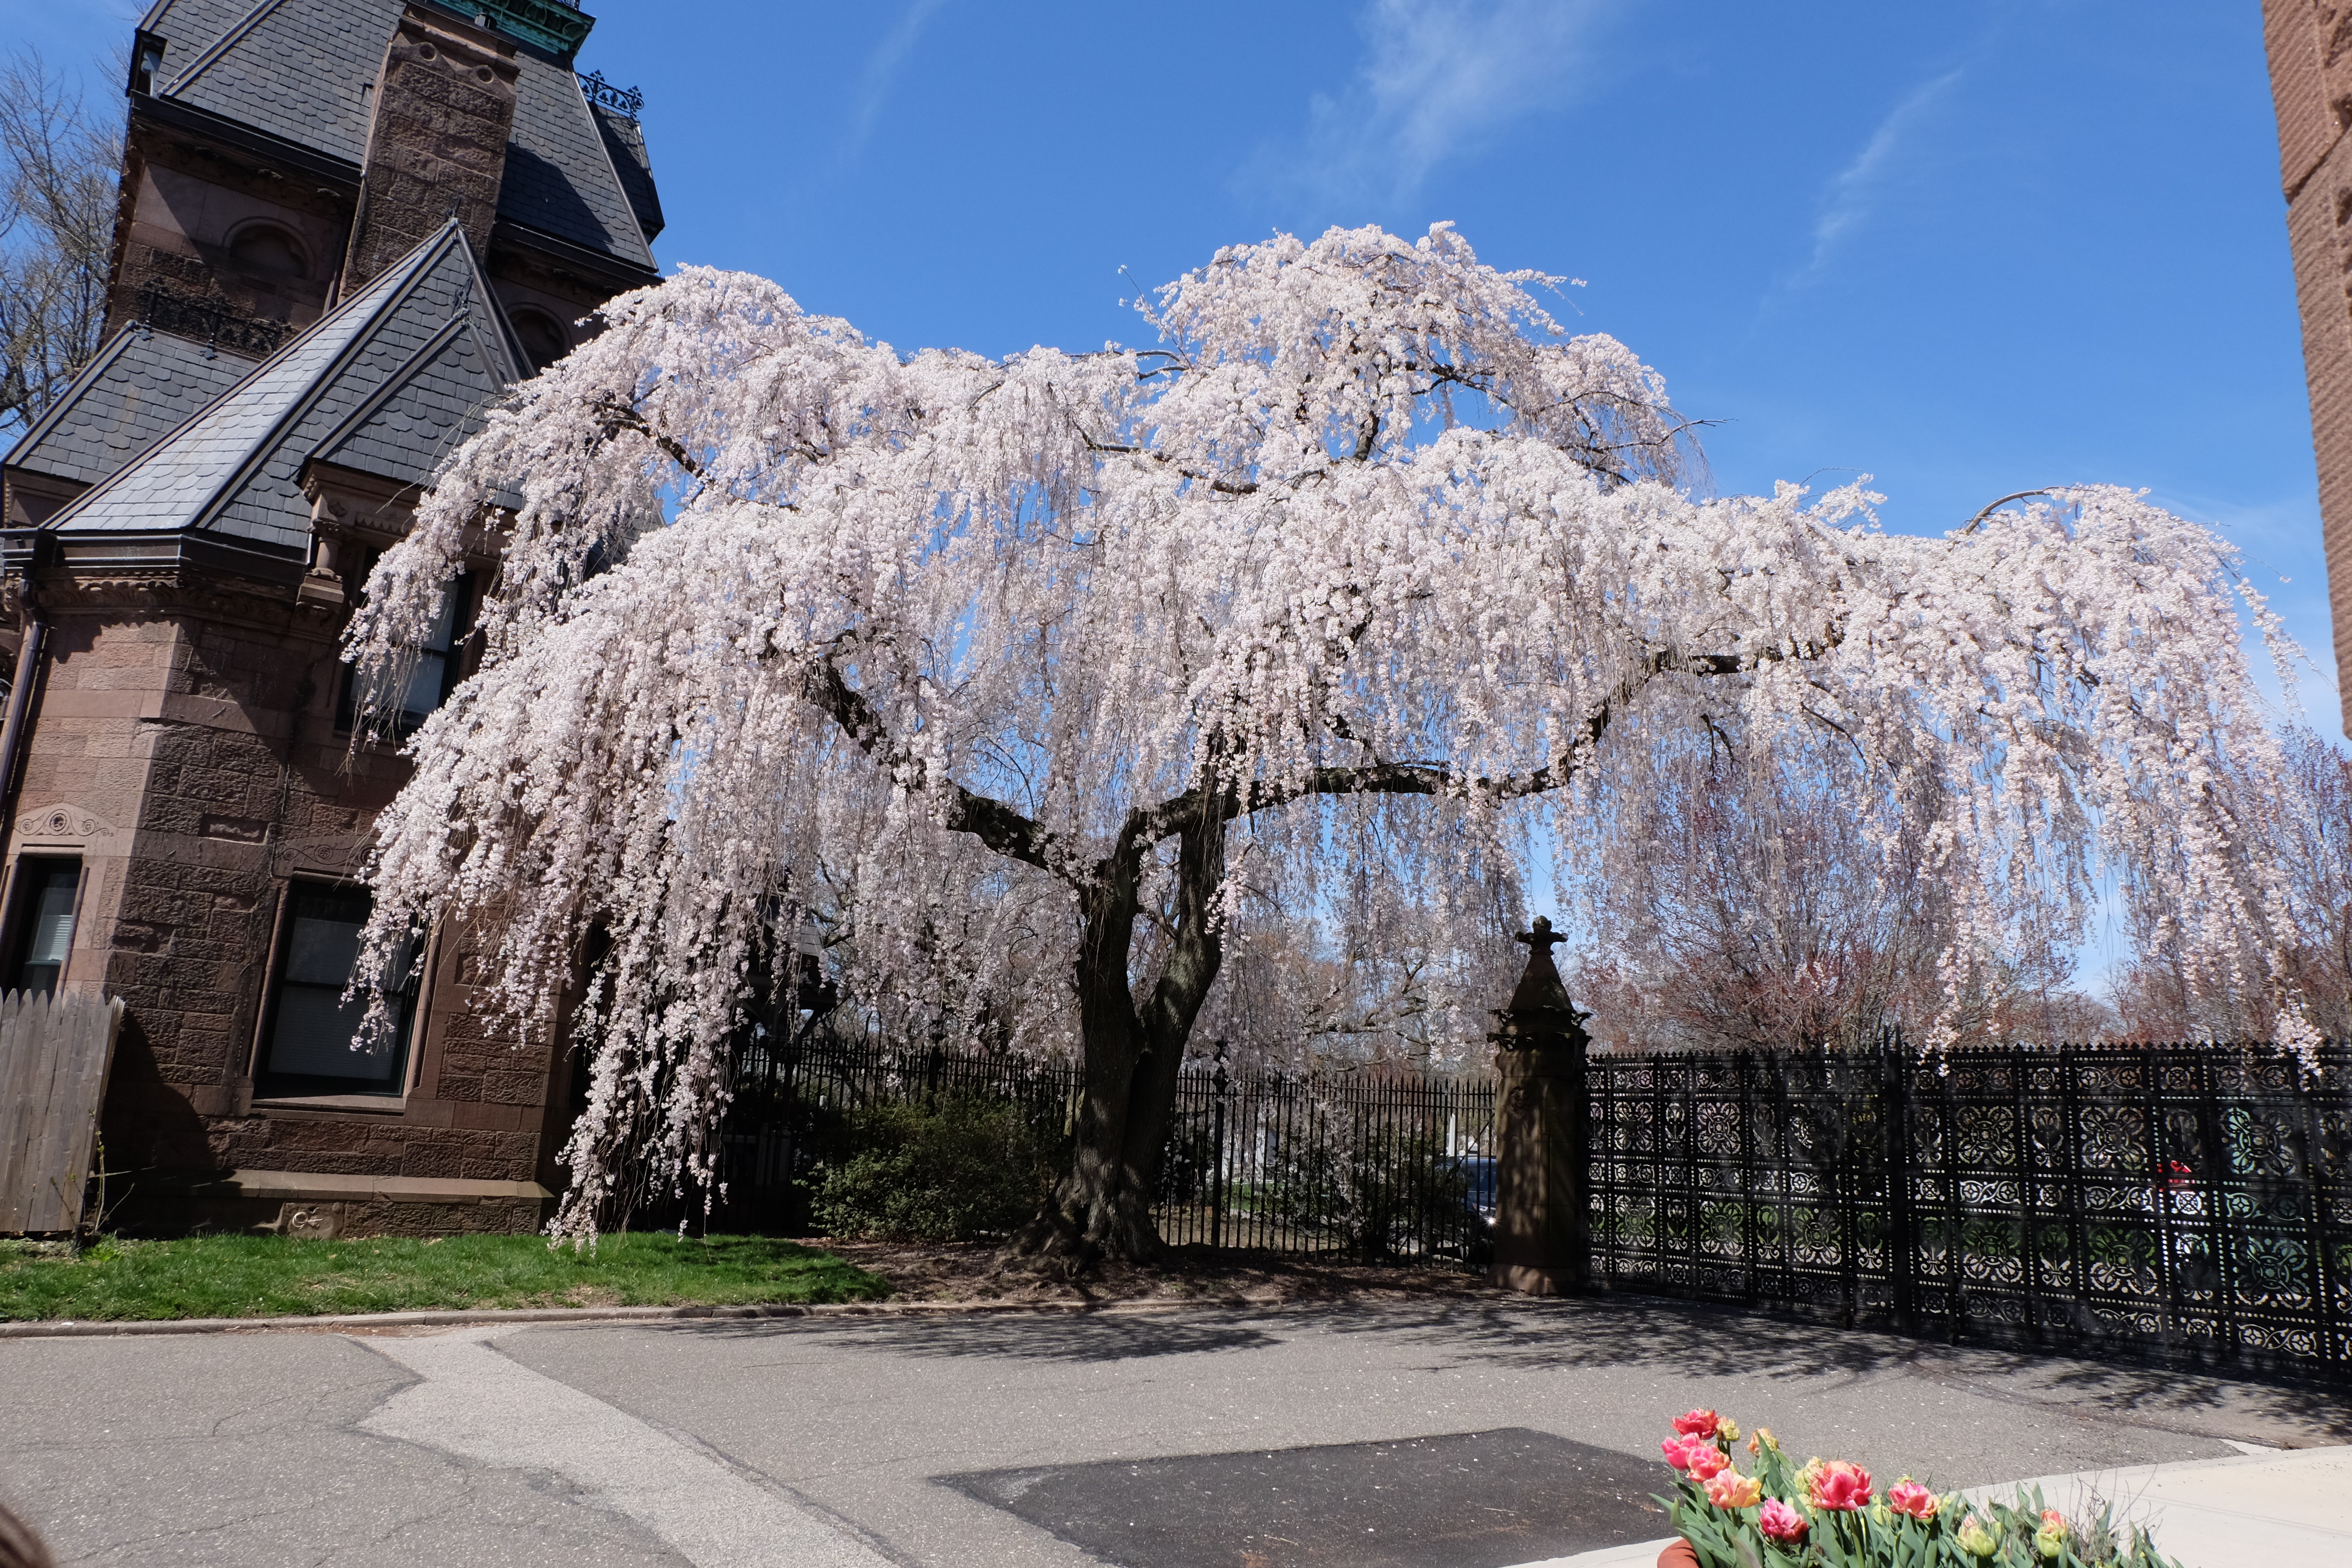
{"points": [[61, 825]]}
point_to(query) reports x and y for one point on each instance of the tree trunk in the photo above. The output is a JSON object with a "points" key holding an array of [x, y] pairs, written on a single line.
{"points": [[1102, 1208]]}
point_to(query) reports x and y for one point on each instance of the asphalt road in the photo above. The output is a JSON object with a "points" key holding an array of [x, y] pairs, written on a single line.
{"points": [[1159, 1441]]}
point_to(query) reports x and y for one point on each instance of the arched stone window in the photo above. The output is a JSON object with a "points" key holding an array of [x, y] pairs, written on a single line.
{"points": [[266, 248], [542, 336]]}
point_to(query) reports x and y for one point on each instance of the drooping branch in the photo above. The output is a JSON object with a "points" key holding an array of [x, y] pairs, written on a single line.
{"points": [[614, 417]]}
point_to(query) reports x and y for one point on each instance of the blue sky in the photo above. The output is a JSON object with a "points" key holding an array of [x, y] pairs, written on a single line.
{"points": [[1969, 248]]}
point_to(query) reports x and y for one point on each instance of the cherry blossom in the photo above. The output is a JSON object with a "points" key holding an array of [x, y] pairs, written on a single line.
{"points": [[1013, 682]]}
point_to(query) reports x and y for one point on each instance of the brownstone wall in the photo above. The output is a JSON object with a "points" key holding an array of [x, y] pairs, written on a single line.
{"points": [[186, 206], [185, 747], [2310, 46]]}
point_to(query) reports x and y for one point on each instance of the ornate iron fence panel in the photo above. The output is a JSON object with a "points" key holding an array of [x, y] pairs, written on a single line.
{"points": [[2193, 1201]]}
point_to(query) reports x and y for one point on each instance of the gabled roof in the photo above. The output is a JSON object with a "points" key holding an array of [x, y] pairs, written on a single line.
{"points": [[388, 383], [140, 387], [293, 70]]}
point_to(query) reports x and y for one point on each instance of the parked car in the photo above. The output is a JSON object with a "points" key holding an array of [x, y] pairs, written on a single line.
{"points": [[1477, 1172]]}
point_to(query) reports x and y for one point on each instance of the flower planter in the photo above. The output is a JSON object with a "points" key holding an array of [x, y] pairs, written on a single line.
{"points": [[1829, 1513]]}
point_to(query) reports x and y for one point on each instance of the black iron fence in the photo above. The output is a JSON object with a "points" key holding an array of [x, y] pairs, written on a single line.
{"points": [[1376, 1166], [2190, 1201], [795, 1113], [2194, 1202]]}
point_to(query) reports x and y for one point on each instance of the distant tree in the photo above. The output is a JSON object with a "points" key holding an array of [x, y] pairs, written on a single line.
{"points": [[2162, 994], [58, 189], [1304, 990], [1763, 914], [1368, 581]]}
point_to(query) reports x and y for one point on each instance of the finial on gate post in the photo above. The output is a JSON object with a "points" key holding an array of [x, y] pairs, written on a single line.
{"points": [[1540, 1013], [1541, 1230]]}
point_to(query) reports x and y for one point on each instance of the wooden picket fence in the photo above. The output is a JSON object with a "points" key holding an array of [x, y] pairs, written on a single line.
{"points": [[54, 1056]]}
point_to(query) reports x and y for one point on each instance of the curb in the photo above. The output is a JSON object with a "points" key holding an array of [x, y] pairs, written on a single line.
{"points": [[454, 1317]]}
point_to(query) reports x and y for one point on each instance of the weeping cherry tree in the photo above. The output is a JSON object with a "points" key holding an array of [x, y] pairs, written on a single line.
{"points": [[1011, 675]]}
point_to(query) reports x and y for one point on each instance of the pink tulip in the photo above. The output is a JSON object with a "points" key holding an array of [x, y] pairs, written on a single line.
{"points": [[1732, 1489], [1841, 1488], [1782, 1522], [1908, 1496], [1704, 1460], [1697, 1424], [1677, 1451]]}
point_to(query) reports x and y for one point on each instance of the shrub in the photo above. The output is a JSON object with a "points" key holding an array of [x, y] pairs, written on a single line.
{"points": [[1405, 1194], [955, 1168]]}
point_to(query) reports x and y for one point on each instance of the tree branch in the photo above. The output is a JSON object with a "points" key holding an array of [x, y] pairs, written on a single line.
{"points": [[1146, 824], [618, 417], [993, 821]]}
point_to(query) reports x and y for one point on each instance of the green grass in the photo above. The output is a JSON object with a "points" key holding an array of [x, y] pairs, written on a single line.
{"points": [[272, 1276]]}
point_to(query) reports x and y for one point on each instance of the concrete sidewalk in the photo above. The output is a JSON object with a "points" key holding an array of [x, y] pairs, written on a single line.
{"points": [[2280, 1509]]}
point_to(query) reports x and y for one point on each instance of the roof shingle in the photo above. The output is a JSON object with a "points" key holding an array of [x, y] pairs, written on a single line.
{"points": [[141, 385], [389, 383], [294, 68]]}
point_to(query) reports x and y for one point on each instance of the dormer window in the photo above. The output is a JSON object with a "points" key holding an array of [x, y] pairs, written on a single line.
{"points": [[543, 340], [403, 703], [146, 63]]}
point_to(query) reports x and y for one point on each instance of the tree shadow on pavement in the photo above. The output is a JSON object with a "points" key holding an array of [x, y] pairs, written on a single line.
{"points": [[1680, 1339], [1016, 1336], [1704, 1340]]}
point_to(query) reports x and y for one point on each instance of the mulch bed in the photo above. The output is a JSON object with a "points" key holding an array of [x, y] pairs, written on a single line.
{"points": [[975, 1271]]}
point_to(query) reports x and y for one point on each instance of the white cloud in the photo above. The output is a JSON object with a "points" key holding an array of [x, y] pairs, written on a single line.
{"points": [[1438, 80], [1855, 194], [881, 66]]}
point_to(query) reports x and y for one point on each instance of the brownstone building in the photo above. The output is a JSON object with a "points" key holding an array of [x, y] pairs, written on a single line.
{"points": [[2310, 45], [346, 225]]}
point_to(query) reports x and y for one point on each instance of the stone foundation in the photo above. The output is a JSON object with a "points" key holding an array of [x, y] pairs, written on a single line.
{"points": [[324, 1206]]}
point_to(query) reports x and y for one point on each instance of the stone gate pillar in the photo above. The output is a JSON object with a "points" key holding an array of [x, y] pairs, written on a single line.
{"points": [[1540, 1204]]}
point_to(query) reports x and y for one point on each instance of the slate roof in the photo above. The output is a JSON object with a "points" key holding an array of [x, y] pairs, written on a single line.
{"points": [[560, 178], [293, 69], [141, 385], [626, 141], [389, 383]]}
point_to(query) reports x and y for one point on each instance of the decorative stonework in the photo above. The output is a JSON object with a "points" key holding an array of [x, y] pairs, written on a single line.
{"points": [[342, 855], [308, 1222], [443, 110], [62, 823]]}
